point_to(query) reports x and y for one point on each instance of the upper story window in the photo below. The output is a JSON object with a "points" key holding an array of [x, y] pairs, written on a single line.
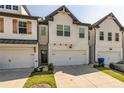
{"points": [[109, 36], [59, 30], [1, 6], [8, 6], [15, 7], [101, 35], [81, 33], [66, 30], [43, 31], [22, 27], [63, 30], [116, 36]]}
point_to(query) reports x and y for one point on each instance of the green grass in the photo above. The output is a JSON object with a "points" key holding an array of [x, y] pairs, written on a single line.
{"points": [[112, 73], [40, 79]]}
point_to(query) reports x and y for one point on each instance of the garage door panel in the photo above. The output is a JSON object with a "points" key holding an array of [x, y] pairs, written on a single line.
{"points": [[16, 58], [110, 56], [69, 57]]}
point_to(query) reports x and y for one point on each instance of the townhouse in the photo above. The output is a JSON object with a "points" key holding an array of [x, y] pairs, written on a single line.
{"points": [[60, 39], [63, 39], [18, 37], [106, 40]]}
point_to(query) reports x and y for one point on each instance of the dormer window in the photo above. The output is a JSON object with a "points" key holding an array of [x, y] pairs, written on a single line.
{"points": [[1, 6], [8, 6], [15, 7]]}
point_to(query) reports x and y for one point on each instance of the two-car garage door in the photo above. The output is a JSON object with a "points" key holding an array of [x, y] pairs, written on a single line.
{"points": [[61, 58], [16, 58], [113, 56]]}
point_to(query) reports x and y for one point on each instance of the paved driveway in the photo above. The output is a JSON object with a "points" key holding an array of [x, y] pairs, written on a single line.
{"points": [[14, 78], [84, 76]]}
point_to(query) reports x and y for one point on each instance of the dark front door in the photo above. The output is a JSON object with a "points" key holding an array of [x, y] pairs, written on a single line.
{"points": [[44, 57]]}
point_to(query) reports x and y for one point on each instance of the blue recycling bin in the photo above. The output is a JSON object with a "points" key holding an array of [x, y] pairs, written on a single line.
{"points": [[101, 61]]}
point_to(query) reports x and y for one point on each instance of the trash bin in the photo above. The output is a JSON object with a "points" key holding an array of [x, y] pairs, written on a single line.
{"points": [[101, 61]]}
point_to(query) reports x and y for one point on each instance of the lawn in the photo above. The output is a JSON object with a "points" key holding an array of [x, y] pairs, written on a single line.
{"points": [[112, 73], [40, 79]]}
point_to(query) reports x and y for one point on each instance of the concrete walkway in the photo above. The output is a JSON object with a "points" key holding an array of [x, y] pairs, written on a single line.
{"points": [[84, 76], [14, 78]]}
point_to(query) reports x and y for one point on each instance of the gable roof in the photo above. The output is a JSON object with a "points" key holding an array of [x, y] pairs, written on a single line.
{"points": [[26, 9], [104, 18], [75, 20]]}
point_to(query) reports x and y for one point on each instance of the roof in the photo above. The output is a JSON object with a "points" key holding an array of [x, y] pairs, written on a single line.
{"points": [[75, 20], [17, 41], [18, 15], [102, 19], [26, 9]]}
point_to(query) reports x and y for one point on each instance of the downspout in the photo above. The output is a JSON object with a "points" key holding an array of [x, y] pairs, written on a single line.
{"points": [[94, 46]]}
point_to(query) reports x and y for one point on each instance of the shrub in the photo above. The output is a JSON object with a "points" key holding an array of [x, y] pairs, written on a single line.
{"points": [[111, 66], [50, 67]]}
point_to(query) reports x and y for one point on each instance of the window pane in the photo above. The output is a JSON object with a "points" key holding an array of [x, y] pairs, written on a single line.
{"points": [[116, 36], [59, 33], [66, 33], [8, 6], [101, 36], [81, 35], [60, 27], [81, 32], [109, 36], [59, 30], [15, 7], [1, 6], [66, 30], [22, 27], [43, 31]]}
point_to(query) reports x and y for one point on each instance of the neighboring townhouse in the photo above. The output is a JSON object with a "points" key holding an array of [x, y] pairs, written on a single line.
{"points": [[63, 39], [106, 40], [18, 37]]}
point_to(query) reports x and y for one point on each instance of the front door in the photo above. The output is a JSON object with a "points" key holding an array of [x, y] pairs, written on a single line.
{"points": [[44, 57]]}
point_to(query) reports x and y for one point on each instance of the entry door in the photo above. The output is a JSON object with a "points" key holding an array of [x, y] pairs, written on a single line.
{"points": [[44, 57]]}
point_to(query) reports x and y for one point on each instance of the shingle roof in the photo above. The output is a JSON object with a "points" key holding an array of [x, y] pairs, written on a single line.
{"points": [[96, 24], [75, 20], [17, 41]]}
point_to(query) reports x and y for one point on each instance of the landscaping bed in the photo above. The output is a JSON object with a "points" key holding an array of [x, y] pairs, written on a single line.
{"points": [[112, 73], [41, 77]]}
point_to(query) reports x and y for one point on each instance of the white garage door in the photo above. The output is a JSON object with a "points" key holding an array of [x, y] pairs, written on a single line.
{"points": [[16, 58], [61, 58], [110, 56]]}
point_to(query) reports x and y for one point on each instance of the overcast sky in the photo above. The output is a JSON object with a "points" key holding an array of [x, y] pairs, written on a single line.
{"points": [[85, 13]]}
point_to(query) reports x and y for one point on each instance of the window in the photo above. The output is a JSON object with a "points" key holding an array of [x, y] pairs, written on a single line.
{"points": [[22, 27], [43, 31], [66, 30], [116, 36], [59, 30], [109, 36], [101, 36], [15, 7], [8, 6], [81, 32], [1, 6]]}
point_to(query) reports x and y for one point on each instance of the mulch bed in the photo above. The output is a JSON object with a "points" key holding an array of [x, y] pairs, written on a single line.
{"points": [[41, 86]]}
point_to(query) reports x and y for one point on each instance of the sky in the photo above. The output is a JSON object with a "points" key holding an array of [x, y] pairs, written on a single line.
{"points": [[85, 13]]}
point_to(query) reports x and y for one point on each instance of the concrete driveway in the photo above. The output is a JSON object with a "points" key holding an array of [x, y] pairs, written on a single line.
{"points": [[84, 76], [14, 78]]}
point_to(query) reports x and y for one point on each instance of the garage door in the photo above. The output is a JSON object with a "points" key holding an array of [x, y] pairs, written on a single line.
{"points": [[110, 56], [16, 58], [61, 58]]}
